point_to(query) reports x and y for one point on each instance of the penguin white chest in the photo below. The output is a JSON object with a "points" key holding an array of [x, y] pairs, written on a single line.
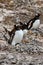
{"points": [[36, 24], [18, 37]]}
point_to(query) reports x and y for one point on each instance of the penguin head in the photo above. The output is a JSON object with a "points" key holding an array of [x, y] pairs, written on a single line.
{"points": [[17, 27], [37, 15]]}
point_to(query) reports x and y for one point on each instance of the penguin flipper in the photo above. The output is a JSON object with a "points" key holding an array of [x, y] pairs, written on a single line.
{"points": [[7, 31], [8, 40]]}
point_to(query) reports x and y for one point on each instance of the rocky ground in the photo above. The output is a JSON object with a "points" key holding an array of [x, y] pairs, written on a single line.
{"points": [[30, 50]]}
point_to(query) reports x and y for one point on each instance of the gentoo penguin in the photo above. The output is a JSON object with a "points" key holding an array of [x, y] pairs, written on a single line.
{"points": [[35, 22], [16, 36]]}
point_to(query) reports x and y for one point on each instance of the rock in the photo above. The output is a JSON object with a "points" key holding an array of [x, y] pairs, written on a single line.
{"points": [[14, 61], [3, 45], [10, 56], [8, 12]]}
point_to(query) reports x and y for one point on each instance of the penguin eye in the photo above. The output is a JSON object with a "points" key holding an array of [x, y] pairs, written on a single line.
{"points": [[14, 26]]}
